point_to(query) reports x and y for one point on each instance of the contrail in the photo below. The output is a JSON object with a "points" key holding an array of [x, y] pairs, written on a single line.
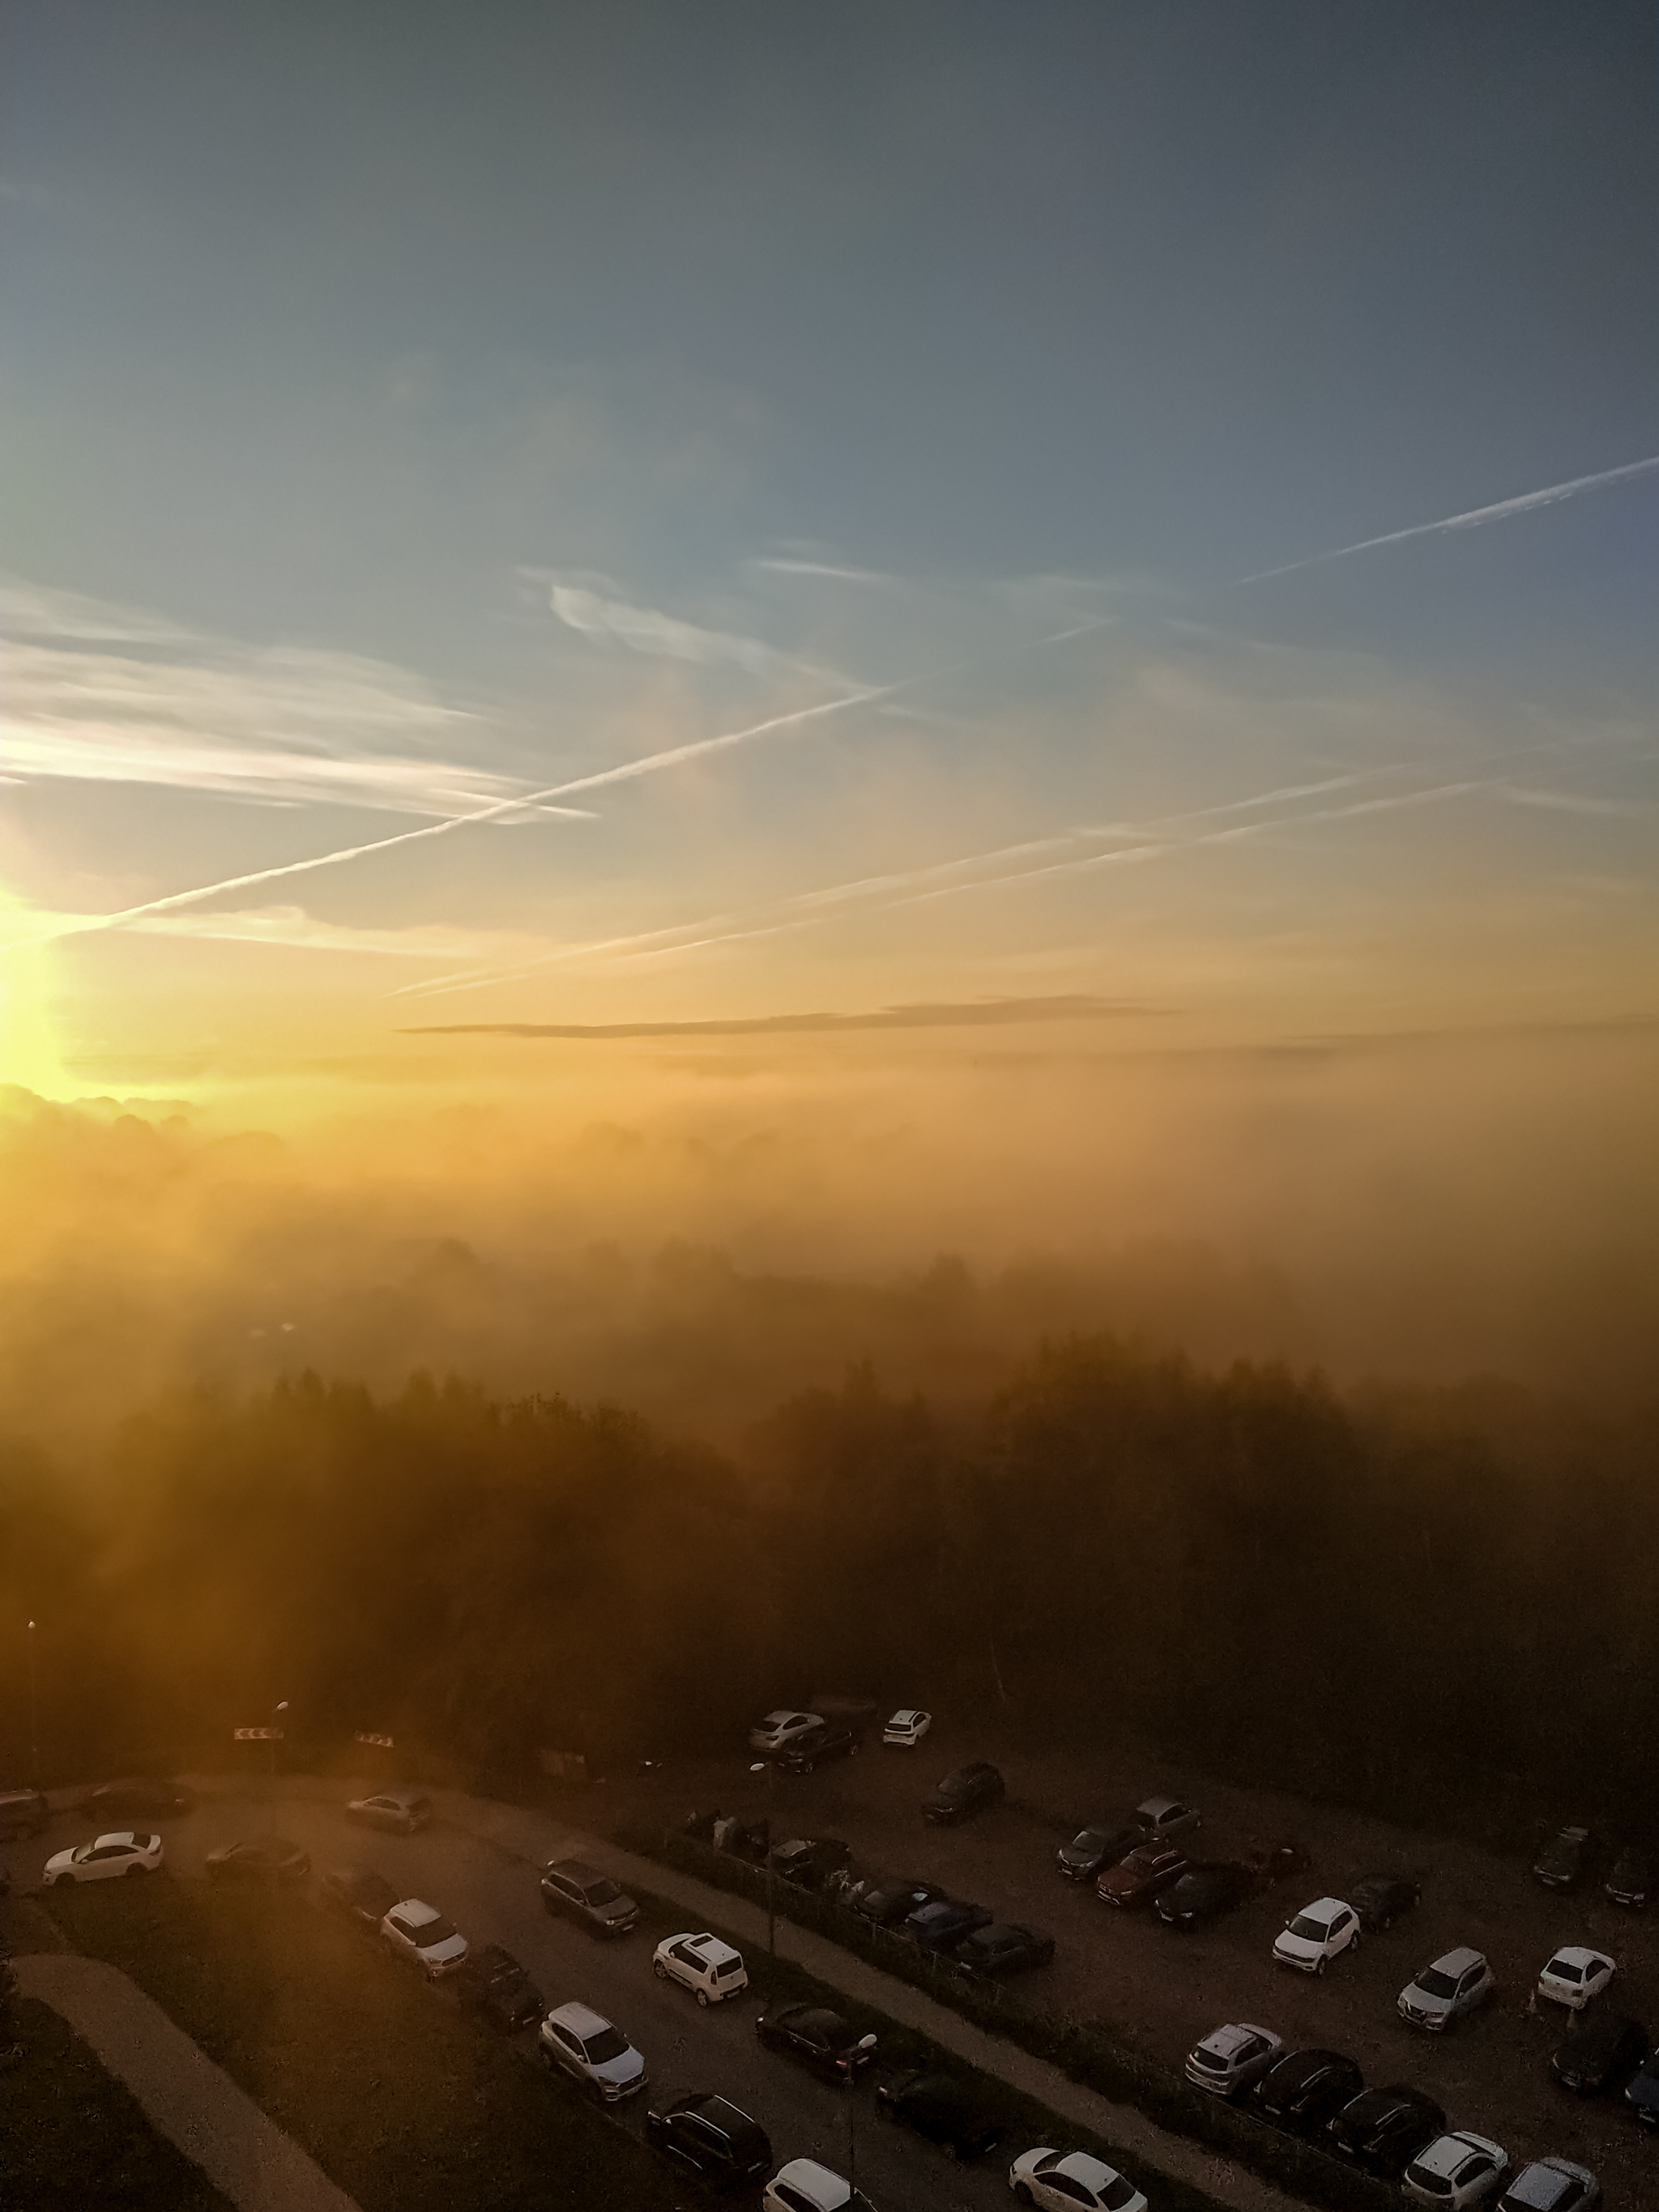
{"points": [[1472, 521]]}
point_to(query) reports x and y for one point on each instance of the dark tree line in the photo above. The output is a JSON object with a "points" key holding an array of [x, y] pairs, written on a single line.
{"points": [[1366, 1597]]}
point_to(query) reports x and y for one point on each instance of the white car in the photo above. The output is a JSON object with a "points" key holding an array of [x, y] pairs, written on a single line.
{"points": [[779, 1729], [907, 1728], [1551, 2184], [1453, 1984], [804, 2185], [1229, 2058], [420, 1932], [585, 2044], [1574, 1976], [1322, 1932], [713, 1969], [123, 1853], [1072, 2181], [1455, 2171], [1159, 1817]]}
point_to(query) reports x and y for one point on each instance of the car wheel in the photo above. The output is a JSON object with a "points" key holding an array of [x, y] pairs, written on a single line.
{"points": [[1321, 1967], [660, 1969], [703, 1999], [132, 1870], [1023, 2191]]}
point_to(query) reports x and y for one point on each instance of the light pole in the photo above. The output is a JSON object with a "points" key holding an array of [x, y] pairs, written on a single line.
{"points": [[865, 2043], [765, 1766], [34, 1719]]}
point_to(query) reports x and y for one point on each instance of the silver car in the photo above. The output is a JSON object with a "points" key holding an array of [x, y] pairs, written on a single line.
{"points": [[1229, 2058], [585, 2044], [1442, 1993]]}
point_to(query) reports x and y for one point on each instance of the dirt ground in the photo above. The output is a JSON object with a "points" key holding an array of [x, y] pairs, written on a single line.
{"points": [[1164, 1990]]}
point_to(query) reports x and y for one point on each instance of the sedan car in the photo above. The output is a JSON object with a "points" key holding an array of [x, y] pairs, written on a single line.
{"points": [[1381, 1897], [781, 1727], [804, 2185], [907, 1728], [1600, 2051], [419, 1931], [360, 1893], [831, 1739], [721, 2145], [1322, 1932], [401, 1811], [809, 1861], [1231, 2057], [108, 1856], [702, 1963], [1551, 2184], [582, 1892], [945, 1923], [947, 2111], [1073, 2181], [1561, 1861], [1456, 1983], [574, 2040], [1137, 1878], [819, 2037], [1203, 1893], [1004, 1948], [1456, 2171], [1307, 2089], [149, 1800], [266, 1859], [1632, 1877], [894, 1899], [1093, 1849], [492, 1984], [963, 1792], [1382, 2131], [1159, 1817], [1576, 1975]]}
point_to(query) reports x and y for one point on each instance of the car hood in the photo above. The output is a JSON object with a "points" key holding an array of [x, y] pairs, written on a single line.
{"points": [[61, 1860], [1422, 2000], [627, 2066], [449, 1952], [1296, 1946]]}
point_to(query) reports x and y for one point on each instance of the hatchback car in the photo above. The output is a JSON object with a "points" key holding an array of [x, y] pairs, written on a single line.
{"points": [[1137, 1878], [574, 2040], [1602, 2052], [1159, 1817], [894, 1899], [149, 1800], [821, 2039], [400, 1811], [963, 1792], [1322, 1932], [776, 1728], [1203, 1893], [1307, 2088], [804, 2185], [947, 2111], [1456, 2171], [1632, 1878], [1073, 2181], [23, 1813], [1232, 2056], [363, 1896], [1561, 1861], [721, 2145], [582, 1892], [945, 1923], [906, 1728], [492, 1984], [711, 1970], [1551, 2184], [420, 1932], [1381, 1897], [123, 1853], [1093, 1849], [1576, 1975], [269, 1859], [1004, 1948], [1456, 1983], [1382, 2131], [830, 1739]]}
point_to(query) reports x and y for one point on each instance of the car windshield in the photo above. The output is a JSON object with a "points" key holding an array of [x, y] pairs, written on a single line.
{"points": [[603, 1892], [608, 2043], [1089, 1839], [1430, 2185], [1434, 1983], [1211, 2061], [434, 1932], [1309, 1929], [1564, 1970]]}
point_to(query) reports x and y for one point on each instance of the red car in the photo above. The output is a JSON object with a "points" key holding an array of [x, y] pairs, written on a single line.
{"points": [[1139, 1877]]}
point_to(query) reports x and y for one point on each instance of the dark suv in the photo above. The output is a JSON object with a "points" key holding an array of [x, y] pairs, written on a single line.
{"points": [[572, 1887], [491, 1983], [809, 1861], [832, 1739], [719, 2143], [963, 1794]]}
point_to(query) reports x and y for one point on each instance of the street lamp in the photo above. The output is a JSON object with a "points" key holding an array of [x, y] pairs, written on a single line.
{"points": [[765, 1766], [865, 2043], [34, 1720]]}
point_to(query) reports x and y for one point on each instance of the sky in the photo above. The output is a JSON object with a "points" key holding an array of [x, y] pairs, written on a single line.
{"points": [[538, 538]]}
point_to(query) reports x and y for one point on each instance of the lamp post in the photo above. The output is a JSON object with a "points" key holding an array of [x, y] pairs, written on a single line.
{"points": [[34, 1719], [865, 2043], [765, 1766]]}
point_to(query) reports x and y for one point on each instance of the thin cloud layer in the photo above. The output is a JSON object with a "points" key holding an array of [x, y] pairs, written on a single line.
{"points": [[991, 1013]]}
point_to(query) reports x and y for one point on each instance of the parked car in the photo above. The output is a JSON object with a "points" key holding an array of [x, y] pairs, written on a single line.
{"points": [[833, 1739], [894, 1899], [1641, 2092], [1158, 1818], [139, 1796], [1575, 1975], [1381, 1897], [702, 1963], [1322, 1932], [721, 2145], [1382, 2131], [360, 1893], [1137, 1878], [1561, 1861], [105, 1858], [1271, 1862], [1073, 2181], [1456, 2171], [809, 1861], [1632, 1878], [1551, 2184], [1307, 2088], [1600, 2051], [770, 1733], [907, 1727], [583, 2043], [819, 2037], [1004, 1948], [947, 2111], [1456, 1983], [1092, 1849], [492, 1984], [965, 1791], [1231, 2057], [804, 2185], [265, 1858], [583, 1893], [945, 1923], [1204, 1892], [401, 1811], [419, 1931], [22, 1813]]}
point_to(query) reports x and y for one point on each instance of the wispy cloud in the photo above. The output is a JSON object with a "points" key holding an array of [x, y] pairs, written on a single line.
{"points": [[980, 1013], [1576, 802], [292, 928], [645, 629]]}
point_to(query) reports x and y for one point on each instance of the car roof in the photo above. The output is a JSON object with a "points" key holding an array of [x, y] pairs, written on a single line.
{"points": [[1233, 2034], [1081, 2166], [582, 2019], [574, 1869], [1152, 1806], [120, 1836], [905, 1715], [1458, 1961], [825, 2189], [1447, 2153], [1326, 1908], [712, 1949], [416, 1911], [1580, 1954]]}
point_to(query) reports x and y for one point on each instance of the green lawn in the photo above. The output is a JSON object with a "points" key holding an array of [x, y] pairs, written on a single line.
{"points": [[405, 2102]]}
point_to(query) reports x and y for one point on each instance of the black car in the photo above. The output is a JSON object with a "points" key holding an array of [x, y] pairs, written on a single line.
{"points": [[834, 1738], [582, 1892], [23, 1813], [941, 2108], [267, 1859], [138, 1796], [1092, 1848], [1604, 2048], [1307, 2088], [1004, 1948], [1561, 1861], [715, 2139], [1204, 1892], [1642, 2092], [945, 1923], [1632, 1877], [362, 1895], [491, 1981], [1381, 1897], [969, 1790], [894, 1899], [822, 2039], [809, 1861], [1383, 2129]]}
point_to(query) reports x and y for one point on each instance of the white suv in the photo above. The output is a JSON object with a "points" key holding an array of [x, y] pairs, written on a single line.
{"points": [[584, 2044], [1322, 1932], [713, 1969], [420, 1932]]}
